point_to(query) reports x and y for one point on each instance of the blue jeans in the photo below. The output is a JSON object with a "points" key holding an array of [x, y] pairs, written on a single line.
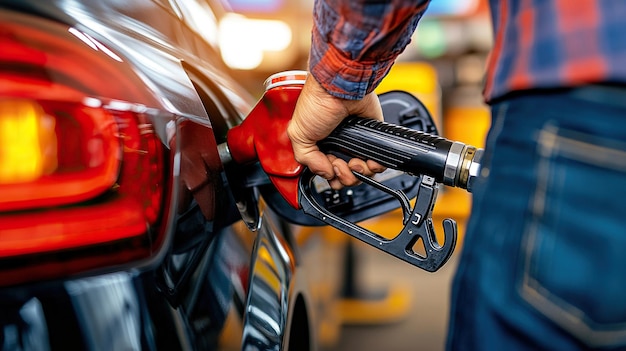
{"points": [[543, 263]]}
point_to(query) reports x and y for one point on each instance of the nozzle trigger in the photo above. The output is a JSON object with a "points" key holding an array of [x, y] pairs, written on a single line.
{"points": [[417, 223]]}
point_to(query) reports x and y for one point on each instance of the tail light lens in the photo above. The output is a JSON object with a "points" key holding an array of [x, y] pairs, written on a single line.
{"points": [[82, 178], [55, 152]]}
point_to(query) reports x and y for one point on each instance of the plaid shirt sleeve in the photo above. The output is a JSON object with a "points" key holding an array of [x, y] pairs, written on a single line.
{"points": [[355, 42]]}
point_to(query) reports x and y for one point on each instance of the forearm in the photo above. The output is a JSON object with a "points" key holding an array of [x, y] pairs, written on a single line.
{"points": [[354, 43]]}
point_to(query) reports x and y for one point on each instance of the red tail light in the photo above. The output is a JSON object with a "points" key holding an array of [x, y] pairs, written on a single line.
{"points": [[82, 177], [55, 152]]}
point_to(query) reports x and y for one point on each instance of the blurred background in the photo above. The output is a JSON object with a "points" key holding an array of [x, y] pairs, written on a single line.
{"points": [[386, 304]]}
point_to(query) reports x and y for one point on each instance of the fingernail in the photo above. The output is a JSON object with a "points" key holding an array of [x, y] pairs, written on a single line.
{"points": [[358, 169]]}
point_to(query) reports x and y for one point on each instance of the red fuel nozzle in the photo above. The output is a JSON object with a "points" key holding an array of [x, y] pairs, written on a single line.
{"points": [[262, 136]]}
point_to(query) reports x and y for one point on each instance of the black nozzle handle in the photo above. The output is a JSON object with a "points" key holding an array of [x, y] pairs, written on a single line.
{"points": [[397, 147]]}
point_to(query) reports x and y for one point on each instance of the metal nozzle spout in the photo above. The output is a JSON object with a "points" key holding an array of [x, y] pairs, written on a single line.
{"points": [[474, 169], [224, 153]]}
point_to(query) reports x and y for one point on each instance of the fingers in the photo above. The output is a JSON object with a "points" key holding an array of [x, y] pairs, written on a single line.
{"points": [[375, 167], [367, 168], [343, 174], [343, 171], [339, 172]]}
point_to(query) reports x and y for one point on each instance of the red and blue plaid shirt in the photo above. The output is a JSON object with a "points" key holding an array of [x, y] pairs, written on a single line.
{"points": [[537, 43]]}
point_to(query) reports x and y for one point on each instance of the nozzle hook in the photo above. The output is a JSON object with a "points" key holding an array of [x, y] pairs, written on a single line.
{"points": [[417, 223]]}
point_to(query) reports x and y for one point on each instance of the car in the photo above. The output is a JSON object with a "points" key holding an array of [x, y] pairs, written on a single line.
{"points": [[120, 226]]}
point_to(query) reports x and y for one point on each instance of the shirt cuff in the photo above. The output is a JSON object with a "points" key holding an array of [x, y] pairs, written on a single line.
{"points": [[343, 77]]}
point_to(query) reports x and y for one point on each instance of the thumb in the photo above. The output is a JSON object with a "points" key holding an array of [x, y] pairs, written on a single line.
{"points": [[307, 152]]}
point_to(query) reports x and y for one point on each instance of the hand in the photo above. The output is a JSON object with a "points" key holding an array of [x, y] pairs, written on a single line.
{"points": [[316, 115]]}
